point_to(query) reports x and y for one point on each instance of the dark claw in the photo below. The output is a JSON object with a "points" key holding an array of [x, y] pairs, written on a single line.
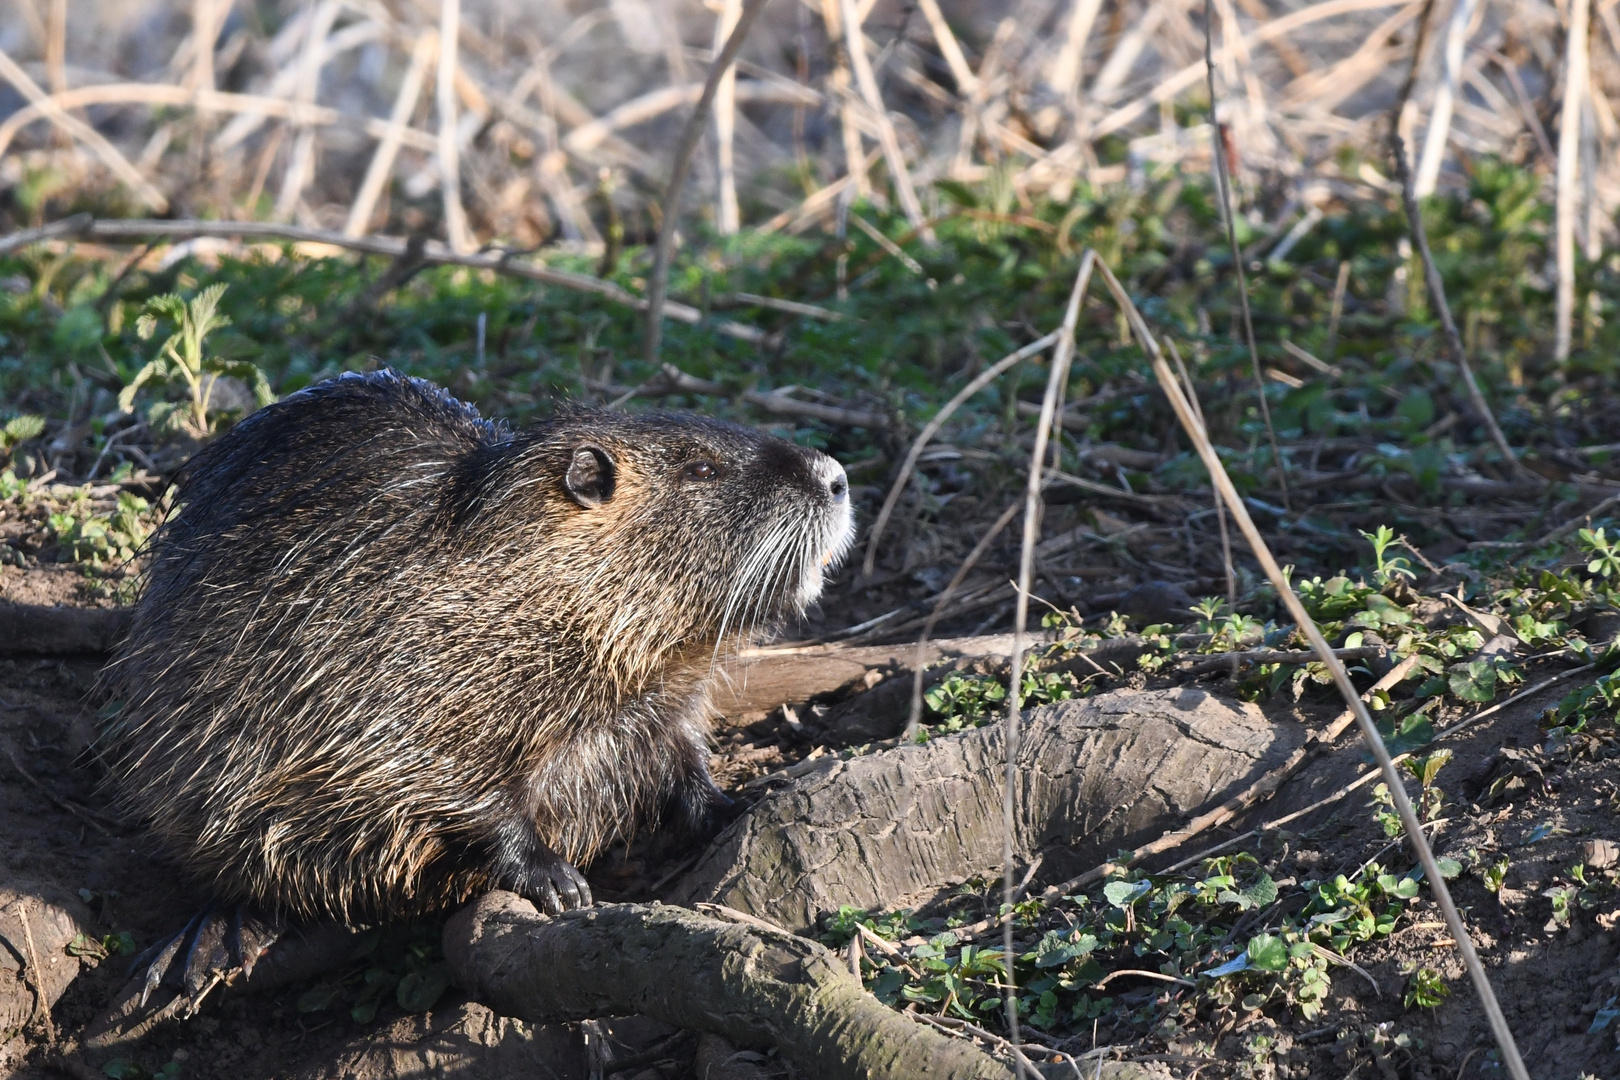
{"points": [[555, 885], [216, 949]]}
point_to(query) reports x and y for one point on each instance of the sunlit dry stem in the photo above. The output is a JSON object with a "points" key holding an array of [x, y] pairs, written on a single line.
{"points": [[680, 167], [1223, 195], [1335, 666], [1026, 568]]}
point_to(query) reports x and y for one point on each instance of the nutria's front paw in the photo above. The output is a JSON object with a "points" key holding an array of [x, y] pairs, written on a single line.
{"points": [[554, 885]]}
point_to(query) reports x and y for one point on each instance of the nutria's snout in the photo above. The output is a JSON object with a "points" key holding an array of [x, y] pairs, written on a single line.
{"points": [[830, 532]]}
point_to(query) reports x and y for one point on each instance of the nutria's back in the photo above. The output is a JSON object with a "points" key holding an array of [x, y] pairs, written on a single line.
{"points": [[389, 652]]}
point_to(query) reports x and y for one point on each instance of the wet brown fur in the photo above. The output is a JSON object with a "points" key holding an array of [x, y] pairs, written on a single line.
{"points": [[380, 631]]}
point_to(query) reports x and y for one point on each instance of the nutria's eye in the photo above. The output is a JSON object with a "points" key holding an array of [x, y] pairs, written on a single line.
{"points": [[700, 470]]}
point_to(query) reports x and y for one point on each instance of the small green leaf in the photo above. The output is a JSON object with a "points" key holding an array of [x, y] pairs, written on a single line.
{"points": [[419, 990], [1122, 894], [1267, 953]]}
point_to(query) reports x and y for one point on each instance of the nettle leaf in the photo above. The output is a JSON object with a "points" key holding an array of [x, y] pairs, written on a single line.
{"points": [[418, 991], [1474, 681], [1057, 949], [20, 429], [1413, 732], [1122, 894], [1268, 953], [1261, 894]]}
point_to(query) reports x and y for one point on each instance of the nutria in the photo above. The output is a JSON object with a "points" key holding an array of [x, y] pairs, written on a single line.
{"points": [[389, 653]]}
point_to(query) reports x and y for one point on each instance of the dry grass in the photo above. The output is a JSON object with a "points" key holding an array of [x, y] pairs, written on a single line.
{"points": [[347, 114]]}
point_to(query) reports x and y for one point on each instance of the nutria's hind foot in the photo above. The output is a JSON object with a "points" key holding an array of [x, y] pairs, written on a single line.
{"points": [[524, 864], [215, 947]]}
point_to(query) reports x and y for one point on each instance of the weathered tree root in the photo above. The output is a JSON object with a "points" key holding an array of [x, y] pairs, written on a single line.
{"points": [[884, 829], [753, 987], [38, 630]]}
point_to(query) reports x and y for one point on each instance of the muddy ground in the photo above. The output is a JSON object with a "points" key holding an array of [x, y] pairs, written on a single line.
{"points": [[64, 856]]}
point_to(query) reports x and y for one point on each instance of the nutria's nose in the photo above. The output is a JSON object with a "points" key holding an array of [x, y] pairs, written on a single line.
{"points": [[832, 476]]}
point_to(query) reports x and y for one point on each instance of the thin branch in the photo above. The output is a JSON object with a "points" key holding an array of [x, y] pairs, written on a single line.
{"points": [[433, 252], [1223, 195], [680, 167], [930, 429], [1431, 273]]}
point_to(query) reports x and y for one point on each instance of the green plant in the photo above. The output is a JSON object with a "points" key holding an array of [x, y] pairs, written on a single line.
{"points": [[1425, 770], [1426, 989], [1605, 561], [183, 357], [88, 537], [1389, 571], [18, 430], [1495, 874]]}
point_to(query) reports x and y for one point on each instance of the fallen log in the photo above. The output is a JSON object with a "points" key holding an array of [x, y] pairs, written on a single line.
{"points": [[895, 827]]}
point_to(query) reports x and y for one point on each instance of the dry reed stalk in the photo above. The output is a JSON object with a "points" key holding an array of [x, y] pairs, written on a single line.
{"points": [[1526, 106], [1325, 89], [284, 84], [301, 162], [1056, 379], [210, 100], [56, 46], [819, 201], [1575, 77], [84, 133], [204, 32], [382, 160], [1127, 51], [1063, 77], [838, 89], [1341, 678], [456, 232], [655, 103], [867, 82], [1434, 141], [725, 124], [1369, 775], [1431, 274], [680, 167], [1223, 195], [1169, 86], [930, 429], [949, 47]]}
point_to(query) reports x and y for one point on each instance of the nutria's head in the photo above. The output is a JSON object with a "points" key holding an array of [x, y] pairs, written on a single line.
{"points": [[663, 531]]}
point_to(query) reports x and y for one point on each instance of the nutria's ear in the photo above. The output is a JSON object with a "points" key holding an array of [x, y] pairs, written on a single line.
{"points": [[590, 476]]}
